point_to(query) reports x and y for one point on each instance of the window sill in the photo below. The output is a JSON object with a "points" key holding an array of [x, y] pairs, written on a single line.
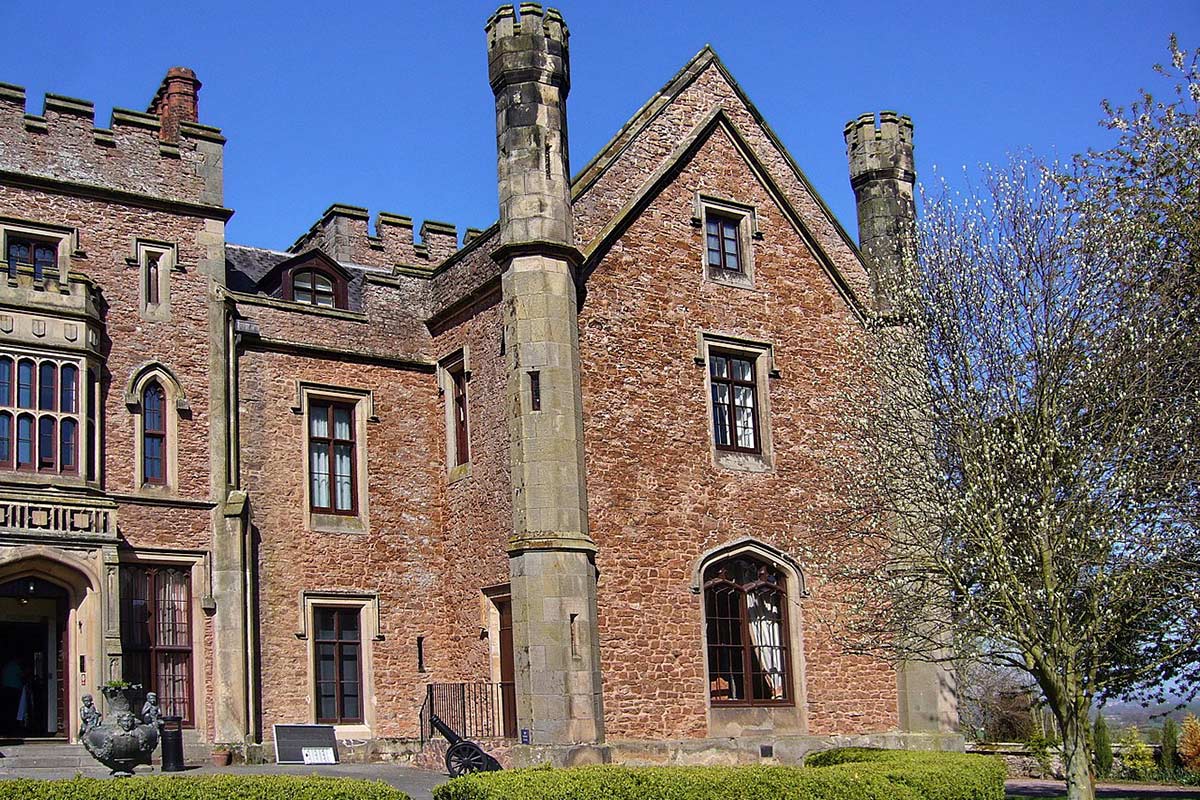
{"points": [[459, 473], [155, 490], [336, 523], [737, 280], [742, 462], [358, 730]]}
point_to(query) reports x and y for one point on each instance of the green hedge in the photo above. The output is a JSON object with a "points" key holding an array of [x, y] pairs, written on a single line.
{"points": [[201, 787], [849, 774]]}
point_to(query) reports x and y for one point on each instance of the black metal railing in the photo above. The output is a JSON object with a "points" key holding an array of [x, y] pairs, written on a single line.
{"points": [[472, 710]]}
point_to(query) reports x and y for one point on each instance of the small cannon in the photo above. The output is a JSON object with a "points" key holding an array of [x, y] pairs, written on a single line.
{"points": [[464, 756]]}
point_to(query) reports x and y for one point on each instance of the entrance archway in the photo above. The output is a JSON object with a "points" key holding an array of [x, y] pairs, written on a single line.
{"points": [[49, 635], [34, 653]]}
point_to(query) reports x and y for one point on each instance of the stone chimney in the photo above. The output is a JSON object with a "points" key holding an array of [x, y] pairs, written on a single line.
{"points": [[177, 100], [882, 174]]}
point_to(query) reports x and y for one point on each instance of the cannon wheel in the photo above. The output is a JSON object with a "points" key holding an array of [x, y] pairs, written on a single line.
{"points": [[464, 758]]}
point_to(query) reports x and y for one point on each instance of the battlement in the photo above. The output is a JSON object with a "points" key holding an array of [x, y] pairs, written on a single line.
{"points": [[533, 21], [131, 155], [531, 47], [880, 150], [342, 233]]}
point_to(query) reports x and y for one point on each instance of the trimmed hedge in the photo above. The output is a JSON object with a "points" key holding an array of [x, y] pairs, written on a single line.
{"points": [[201, 787], [847, 774]]}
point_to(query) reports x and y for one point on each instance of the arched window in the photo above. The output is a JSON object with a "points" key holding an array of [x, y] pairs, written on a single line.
{"points": [[749, 656], [25, 442], [315, 287], [47, 443], [151, 278], [6, 442], [154, 434], [47, 385], [69, 387], [25, 372], [68, 460], [6, 381]]}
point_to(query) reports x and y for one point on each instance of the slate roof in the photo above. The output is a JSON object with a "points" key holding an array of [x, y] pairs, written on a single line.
{"points": [[245, 268]]}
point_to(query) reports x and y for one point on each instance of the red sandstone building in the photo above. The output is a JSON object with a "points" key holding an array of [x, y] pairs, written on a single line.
{"points": [[568, 468]]}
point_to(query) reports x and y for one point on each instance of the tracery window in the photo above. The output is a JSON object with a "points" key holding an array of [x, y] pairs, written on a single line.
{"points": [[39, 414], [745, 605]]}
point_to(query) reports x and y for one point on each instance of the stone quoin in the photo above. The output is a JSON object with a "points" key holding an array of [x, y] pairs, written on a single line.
{"points": [[569, 469]]}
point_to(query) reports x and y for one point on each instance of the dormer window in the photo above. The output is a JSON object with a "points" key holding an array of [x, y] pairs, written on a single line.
{"points": [[318, 288]]}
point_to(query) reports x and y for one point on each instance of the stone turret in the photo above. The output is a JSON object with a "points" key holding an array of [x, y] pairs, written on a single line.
{"points": [[882, 174], [551, 554], [529, 69]]}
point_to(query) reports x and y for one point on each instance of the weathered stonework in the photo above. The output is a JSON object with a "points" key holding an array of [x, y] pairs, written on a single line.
{"points": [[591, 495]]}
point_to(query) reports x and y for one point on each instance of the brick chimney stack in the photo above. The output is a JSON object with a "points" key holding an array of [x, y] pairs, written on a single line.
{"points": [[177, 100]]}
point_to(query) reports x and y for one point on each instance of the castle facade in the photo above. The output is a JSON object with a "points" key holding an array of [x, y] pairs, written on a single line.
{"points": [[567, 470]]}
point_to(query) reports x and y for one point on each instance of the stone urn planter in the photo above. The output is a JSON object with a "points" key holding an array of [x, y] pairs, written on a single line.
{"points": [[221, 757], [127, 739]]}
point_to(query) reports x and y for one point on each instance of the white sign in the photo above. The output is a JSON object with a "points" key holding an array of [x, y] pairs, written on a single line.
{"points": [[318, 755]]}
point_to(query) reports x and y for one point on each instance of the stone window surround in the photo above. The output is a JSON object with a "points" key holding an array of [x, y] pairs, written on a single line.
{"points": [[748, 233], [458, 360], [176, 406], [759, 720], [168, 263], [363, 401], [763, 356], [66, 239], [369, 627], [198, 564]]}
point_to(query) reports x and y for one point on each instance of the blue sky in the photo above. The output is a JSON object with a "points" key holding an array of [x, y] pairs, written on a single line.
{"points": [[386, 105]]}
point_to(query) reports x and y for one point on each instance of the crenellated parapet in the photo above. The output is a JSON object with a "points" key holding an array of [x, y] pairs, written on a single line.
{"points": [[883, 150], [62, 143], [343, 233]]}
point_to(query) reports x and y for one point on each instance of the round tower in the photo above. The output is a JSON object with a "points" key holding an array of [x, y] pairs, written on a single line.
{"points": [[882, 174]]}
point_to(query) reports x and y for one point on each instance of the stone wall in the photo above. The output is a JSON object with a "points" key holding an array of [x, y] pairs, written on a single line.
{"points": [[657, 499]]}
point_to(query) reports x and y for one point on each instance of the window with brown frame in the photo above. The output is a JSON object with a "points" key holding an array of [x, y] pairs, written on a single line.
{"points": [[39, 414], [317, 288], [462, 442], [724, 246], [156, 634], [29, 252], [337, 671], [154, 434], [734, 402], [745, 610], [331, 458]]}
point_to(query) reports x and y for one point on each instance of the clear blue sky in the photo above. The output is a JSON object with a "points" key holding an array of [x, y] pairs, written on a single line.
{"points": [[386, 105]]}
